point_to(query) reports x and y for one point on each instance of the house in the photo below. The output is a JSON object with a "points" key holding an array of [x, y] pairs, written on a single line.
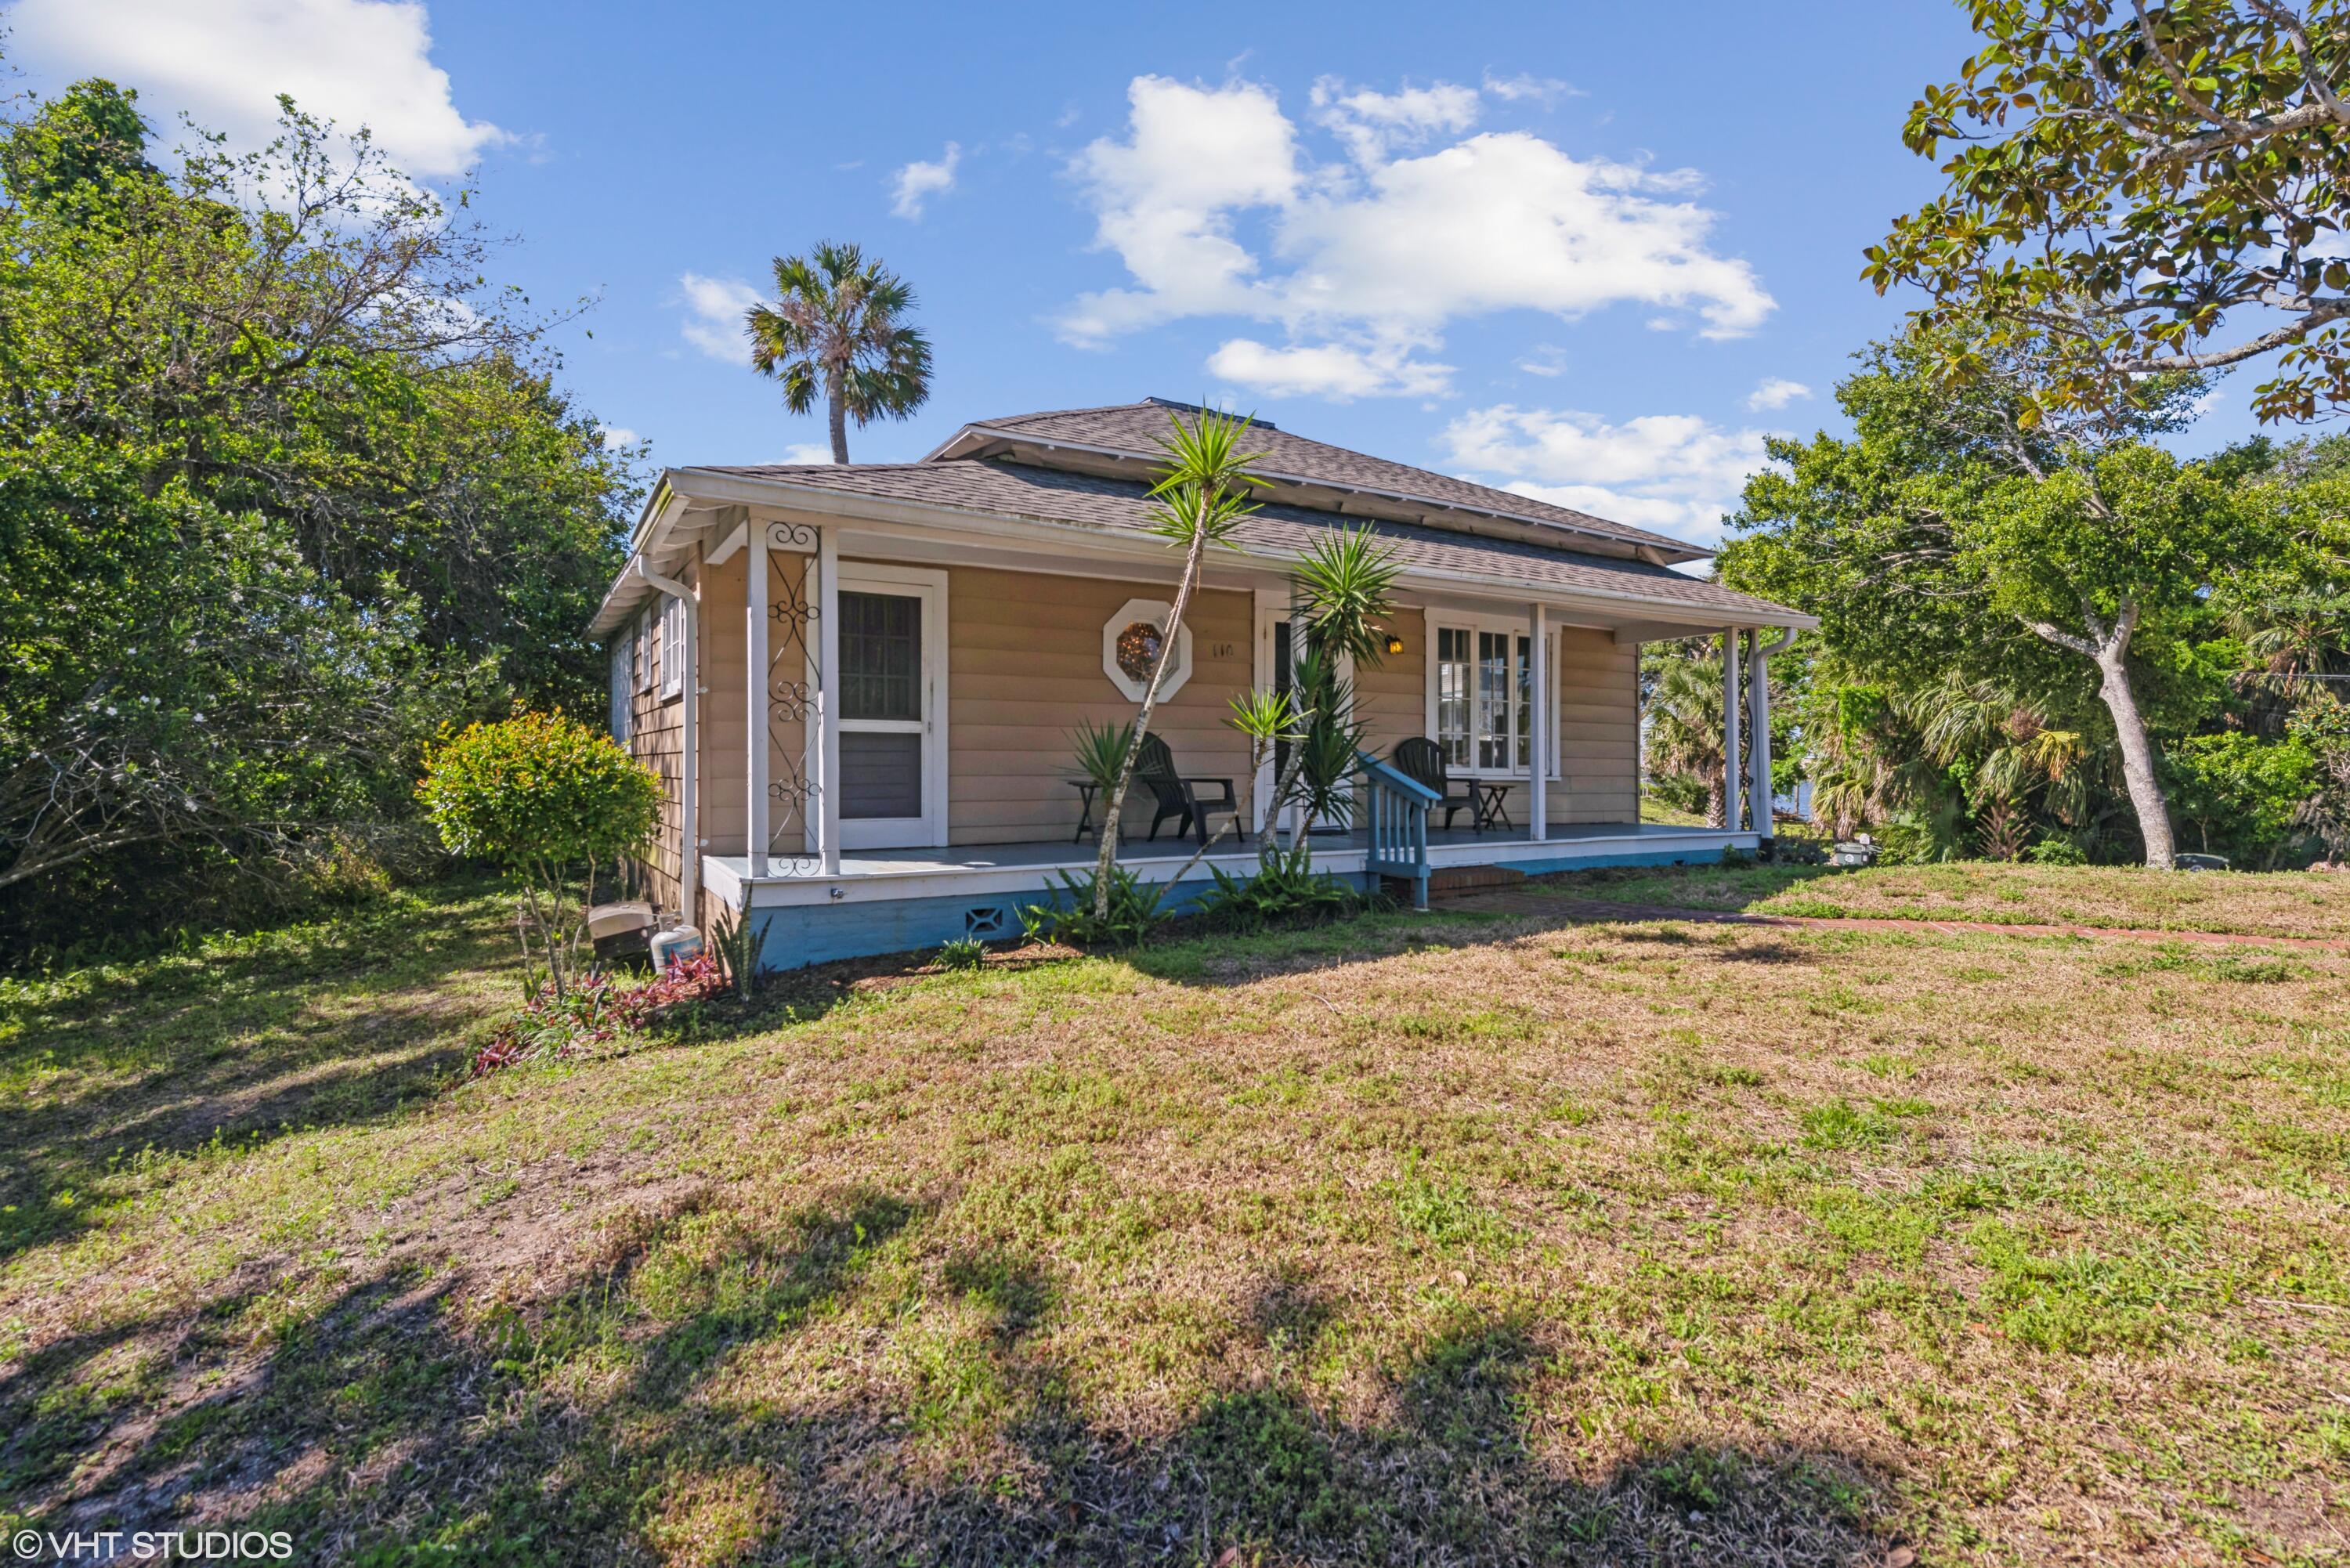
{"points": [[860, 683]]}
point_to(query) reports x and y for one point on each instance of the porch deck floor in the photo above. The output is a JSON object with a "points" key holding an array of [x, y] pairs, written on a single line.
{"points": [[1167, 853]]}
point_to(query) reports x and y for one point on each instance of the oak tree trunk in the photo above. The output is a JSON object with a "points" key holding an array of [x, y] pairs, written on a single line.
{"points": [[2137, 756]]}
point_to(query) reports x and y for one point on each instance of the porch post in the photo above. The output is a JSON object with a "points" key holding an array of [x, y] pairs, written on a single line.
{"points": [[1538, 746], [1758, 735], [828, 680], [755, 689], [1733, 789]]}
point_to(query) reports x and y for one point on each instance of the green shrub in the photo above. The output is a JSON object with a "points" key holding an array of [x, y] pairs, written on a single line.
{"points": [[1283, 888], [963, 952], [547, 800], [2057, 849], [1136, 908]]}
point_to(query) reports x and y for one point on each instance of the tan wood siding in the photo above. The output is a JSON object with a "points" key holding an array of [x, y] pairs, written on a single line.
{"points": [[1023, 669]]}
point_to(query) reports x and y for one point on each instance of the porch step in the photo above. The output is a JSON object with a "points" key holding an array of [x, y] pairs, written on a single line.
{"points": [[1460, 881]]}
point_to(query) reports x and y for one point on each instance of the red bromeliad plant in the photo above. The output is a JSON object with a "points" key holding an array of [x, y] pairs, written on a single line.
{"points": [[595, 1010]]}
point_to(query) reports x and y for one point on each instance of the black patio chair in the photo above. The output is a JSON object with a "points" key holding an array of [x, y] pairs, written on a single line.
{"points": [[1421, 760], [1178, 796]]}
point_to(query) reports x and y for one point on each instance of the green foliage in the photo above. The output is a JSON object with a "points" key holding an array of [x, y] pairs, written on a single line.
{"points": [[2145, 191], [279, 493], [547, 800], [538, 789], [2057, 850], [1100, 751], [737, 941], [963, 952], [1283, 889], [837, 330], [1123, 914], [2240, 794]]}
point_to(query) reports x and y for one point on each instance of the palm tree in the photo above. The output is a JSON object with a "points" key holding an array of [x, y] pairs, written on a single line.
{"points": [[1685, 736], [837, 326]]}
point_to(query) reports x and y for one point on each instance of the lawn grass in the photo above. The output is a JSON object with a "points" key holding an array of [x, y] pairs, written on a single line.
{"points": [[2277, 904], [1455, 1237]]}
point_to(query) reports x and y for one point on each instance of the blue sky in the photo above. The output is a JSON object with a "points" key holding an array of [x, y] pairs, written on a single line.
{"points": [[1579, 250]]}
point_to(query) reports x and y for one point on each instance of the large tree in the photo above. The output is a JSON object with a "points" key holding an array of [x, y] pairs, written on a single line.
{"points": [[281, 488], [1963, 531], [2144, 189], [837, 330]]}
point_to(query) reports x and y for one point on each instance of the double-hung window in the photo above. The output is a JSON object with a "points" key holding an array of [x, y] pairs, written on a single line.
{"points": [[1481, 696], [672, 646], [642, 656]]}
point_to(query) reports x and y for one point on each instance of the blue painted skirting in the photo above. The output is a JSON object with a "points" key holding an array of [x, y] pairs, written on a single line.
{"points": [[1708, 857], [796, 935], [793, 936]]}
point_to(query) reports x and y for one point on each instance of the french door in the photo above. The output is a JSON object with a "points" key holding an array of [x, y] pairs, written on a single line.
{"points": [[892, 707]]}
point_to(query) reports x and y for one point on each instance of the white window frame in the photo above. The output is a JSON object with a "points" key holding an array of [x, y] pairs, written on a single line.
{"points": [[1515, 628], [623, 686], [640, 640], [673, 648]]}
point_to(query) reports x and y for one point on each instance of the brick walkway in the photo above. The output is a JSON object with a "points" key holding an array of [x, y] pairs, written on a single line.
{"points": [[1525, 901]]}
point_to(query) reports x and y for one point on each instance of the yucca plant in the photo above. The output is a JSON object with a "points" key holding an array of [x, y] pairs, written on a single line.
{"points": [[1201, 500]]}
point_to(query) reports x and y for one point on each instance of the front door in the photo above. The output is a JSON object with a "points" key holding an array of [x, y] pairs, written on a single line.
{"points": [[1275, 656], [892, 707]]}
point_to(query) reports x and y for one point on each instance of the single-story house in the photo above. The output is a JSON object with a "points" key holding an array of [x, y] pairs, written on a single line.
{"points": [[860, 683]]}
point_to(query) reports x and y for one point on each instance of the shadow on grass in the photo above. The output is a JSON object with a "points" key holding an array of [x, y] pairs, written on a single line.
{"points": [[338, 1023], [629, 1418]]}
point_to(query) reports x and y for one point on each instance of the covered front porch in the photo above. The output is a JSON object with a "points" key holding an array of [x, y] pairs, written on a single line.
{"points": [[883, 900]]}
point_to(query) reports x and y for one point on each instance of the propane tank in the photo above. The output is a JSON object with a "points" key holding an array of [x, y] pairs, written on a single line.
{"points": [[676, 945]]}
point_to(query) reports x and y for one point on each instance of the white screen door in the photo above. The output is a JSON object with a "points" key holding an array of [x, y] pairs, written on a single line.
{"points": [[892, 706]]}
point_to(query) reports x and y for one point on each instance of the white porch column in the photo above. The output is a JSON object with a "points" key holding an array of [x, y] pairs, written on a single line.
{"points": [[1732, 784], [755, 689], [828, 675], [1758, 735], [1539, 748]]}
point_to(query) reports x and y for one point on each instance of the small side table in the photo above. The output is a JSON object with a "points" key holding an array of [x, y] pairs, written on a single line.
{"points": [[1084, 788], [1492, 809]]}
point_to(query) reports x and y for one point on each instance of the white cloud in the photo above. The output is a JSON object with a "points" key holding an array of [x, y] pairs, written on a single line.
{"points": [[1373, 125], [918, 182], [714, 310], [617, 436], [1776, 392], [806, 452], [1545, 90], [1677, 474], [1331, 371], [1379, 258], [357, 62]]}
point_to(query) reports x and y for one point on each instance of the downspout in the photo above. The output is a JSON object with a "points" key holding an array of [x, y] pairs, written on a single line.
{"points": [[1758, 675], [689, 856]]}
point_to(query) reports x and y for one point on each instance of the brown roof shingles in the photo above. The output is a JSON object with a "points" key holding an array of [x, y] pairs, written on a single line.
{"points": [[1137, 428], [1054, 495]]}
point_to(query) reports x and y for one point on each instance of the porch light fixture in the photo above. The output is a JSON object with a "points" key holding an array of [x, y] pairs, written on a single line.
{"points": [[1395, 644]]}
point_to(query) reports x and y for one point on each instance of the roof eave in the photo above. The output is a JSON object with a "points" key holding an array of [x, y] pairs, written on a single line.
{"points": [[710, 487]]}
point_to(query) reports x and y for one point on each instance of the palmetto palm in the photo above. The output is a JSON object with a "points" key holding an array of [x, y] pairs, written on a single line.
{"points": [[837, 329]]}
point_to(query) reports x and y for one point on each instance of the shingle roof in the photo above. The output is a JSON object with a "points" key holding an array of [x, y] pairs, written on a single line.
{"points": [[1054, 495], [1137, 428]]}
